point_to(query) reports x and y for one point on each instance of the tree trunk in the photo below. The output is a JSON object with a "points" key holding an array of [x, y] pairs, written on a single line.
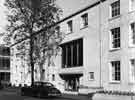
{"points": [[31, 61]]}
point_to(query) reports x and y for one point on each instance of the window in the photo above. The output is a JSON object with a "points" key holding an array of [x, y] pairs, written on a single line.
{"points": [[132, 34], [53, 77], [72, 53], [132, 5], [84, 20], [70, 26], [115, 71], [115, 38], [132, 70], [91, 75], [115, 8]]}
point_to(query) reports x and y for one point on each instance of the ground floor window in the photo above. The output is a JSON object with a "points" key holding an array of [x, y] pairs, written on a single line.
{"points": [[115, 71], [5, 77], [132, 70]]}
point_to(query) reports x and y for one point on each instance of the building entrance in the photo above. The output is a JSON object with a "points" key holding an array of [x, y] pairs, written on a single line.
{"points": [[71, 82]]}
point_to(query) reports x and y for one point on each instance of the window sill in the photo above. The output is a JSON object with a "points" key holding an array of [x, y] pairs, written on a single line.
{"points": [[114, 49], [114, 82], [115, 17], [84, 27]]}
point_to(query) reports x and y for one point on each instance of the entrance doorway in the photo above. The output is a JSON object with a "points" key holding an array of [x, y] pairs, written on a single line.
{"points": [[71, 81]]}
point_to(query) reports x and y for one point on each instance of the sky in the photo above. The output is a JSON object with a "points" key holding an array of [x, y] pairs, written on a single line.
{"points": [[3, 21], [68, 6], [71, 6]]}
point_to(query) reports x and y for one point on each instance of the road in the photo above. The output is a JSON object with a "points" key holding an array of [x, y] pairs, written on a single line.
{"points": [[13, 95]]}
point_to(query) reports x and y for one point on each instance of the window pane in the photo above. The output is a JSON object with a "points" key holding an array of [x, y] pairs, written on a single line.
{"points": [[115, 7]]}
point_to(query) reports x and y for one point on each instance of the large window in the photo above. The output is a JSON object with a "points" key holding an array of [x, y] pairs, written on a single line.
{"points": [[132, 34], [132, 70], [84, 20], [115, 8], [72, 53], [115, 71], [70, 26], [132, 5], [4, 51], [4, 63], [115, 38]]}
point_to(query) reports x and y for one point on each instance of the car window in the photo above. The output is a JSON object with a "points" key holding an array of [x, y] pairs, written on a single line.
{"points": [[48, 84]]}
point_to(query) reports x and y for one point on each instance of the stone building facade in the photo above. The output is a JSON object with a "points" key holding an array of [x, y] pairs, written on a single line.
{"points": [[98, 51]]}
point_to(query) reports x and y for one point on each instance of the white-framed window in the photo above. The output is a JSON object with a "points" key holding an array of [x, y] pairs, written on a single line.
{"points": [[131, 5], [132, 70], [84, 20], [115, 73], [115, 8], [70, 26], [132, 34], [115, 38], [91, 76]]}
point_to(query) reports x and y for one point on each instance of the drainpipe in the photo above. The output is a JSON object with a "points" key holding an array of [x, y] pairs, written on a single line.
{"points": [[100, 52]]}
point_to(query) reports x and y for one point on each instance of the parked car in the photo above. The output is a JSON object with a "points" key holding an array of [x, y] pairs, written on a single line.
{"points": [[41, 89]]}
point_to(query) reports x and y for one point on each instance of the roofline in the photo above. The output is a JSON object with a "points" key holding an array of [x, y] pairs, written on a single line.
{"points": [[80, 11], [62, 20], [70, 16]]}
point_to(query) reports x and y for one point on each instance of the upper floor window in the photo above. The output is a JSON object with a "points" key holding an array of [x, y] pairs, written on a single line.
{"points": [[72, 54], [115, 8], [5, 51], [115, 38], [132, 70], [53, 77], [132, 5], [132, 34], [84, 20], [70, 26], [115, 71]]}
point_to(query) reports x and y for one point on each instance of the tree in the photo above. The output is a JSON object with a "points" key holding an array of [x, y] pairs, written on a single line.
{"points": [[27, 17]]}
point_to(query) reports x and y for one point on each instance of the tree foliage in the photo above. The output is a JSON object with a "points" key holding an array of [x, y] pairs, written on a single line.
{"points": [[27, 17]]}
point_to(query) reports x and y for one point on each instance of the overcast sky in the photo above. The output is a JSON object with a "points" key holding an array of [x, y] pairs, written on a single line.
{"points": [[68, 6], [2, 16]]}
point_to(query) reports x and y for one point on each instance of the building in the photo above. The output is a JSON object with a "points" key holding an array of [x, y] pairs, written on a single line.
{"points": [[98, 51], [4, 65]]}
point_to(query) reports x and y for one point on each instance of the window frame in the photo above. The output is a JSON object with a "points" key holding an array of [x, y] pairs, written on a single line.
{"points": [[132, 78], [76, 60], [113, 40], [70, 26], [131, 5], [91, 74], [114, 73], [132, 35], [115, 9], [84, 20]]}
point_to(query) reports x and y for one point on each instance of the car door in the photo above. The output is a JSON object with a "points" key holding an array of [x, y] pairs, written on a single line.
{"points": [[36, 90]]}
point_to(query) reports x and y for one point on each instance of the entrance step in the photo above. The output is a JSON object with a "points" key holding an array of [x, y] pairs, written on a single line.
{"points": [[70, 92]]}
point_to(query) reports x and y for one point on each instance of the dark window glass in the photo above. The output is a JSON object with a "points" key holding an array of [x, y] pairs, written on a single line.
{"points": [[72, 53], [115, 7]]}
